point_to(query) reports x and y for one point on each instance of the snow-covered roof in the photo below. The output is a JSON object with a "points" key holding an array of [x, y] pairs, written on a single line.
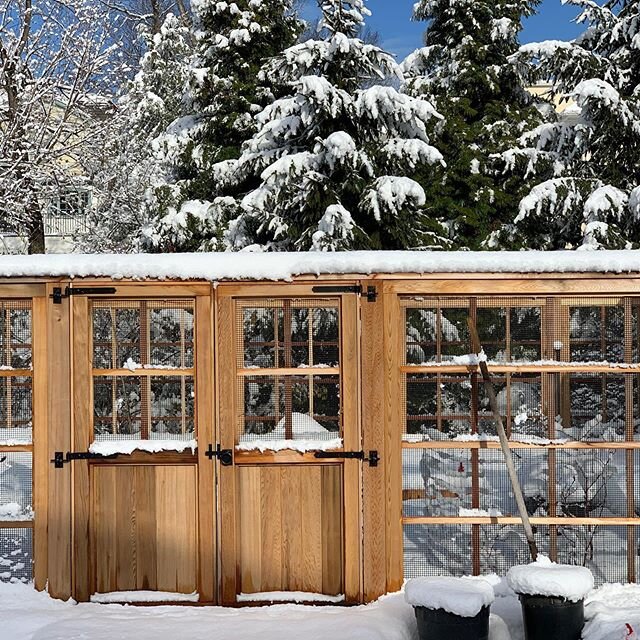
{"points": [[285, 266]]}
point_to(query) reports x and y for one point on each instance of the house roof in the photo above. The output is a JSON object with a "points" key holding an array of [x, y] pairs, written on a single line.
{"points": [[285, 266]]}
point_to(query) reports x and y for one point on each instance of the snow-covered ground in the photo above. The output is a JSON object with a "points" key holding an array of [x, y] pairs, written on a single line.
{"points": [[28, 615]]}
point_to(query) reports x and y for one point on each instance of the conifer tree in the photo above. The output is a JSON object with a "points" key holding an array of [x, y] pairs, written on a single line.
{"points": [[587, 167], [224, 92], [466, 72], [327, 168]]}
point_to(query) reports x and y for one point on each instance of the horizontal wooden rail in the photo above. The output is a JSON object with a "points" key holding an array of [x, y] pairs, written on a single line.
{"points": [[290, 371], [514, 444], [142, 371], [436, 368], [16, 373], [566, 521], [16, 524], [18, 448]]}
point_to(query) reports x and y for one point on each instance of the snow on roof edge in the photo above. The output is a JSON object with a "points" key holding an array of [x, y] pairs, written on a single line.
{"points": [[285, 266]]}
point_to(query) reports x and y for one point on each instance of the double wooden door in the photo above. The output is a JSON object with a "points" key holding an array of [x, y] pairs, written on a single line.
{"points": [[244, 472]]}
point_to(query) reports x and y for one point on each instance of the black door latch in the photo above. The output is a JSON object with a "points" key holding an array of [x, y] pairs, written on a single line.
{"points": [[224, 455]]}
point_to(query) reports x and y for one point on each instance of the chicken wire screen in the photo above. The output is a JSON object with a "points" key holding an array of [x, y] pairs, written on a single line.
{"points": [[16, 486], [519, 329], [16, 555], [156, 407], [289, 334], [143, 358], [290, 407], [16, 359], [442, 406], [288, 359], [134, 333], [569, 384]]}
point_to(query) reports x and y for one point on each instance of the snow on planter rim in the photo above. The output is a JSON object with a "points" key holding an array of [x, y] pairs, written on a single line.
{"points": [[546, 578], [461, 596], [284, 266]]}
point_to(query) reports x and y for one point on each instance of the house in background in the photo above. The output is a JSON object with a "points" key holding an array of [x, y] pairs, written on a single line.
{"points": [[60, 163]]}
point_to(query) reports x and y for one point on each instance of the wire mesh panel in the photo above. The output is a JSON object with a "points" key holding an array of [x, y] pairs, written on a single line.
{"points": [[566, 374], [120, 410], [16, 555], [290, 407], [437, 550], [495, 494], [16, 491], [15, 334], [603, 549], [16, 410], [146, 333], [16, 361], [135, 341], [288, 369], [437, 331], [436, 482], [501, 546], [289, 333], [591, 484]]}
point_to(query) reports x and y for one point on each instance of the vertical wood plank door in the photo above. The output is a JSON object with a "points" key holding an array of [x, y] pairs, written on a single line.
{"points": [[144, 520], [290, 503]]}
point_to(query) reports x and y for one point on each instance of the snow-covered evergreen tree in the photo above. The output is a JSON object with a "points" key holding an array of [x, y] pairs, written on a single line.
{"points": [[588, 167], [127, 167], [328, 166], [466, 72], [224, 92]]}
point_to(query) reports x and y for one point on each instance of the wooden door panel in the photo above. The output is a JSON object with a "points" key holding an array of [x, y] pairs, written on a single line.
{"points": [[144, 528], [290, 528]]}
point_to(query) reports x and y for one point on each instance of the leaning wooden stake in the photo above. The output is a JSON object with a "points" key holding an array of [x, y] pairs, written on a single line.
{"points": [[504, 442]]}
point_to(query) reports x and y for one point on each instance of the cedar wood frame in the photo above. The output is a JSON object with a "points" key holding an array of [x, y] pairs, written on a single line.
{"points": [[60, 339]]}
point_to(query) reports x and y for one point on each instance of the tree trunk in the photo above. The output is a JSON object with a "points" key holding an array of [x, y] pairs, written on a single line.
{"points": [[35, 226]]}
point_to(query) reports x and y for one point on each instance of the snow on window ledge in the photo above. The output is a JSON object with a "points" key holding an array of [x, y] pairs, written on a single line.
{"points": [[15, 512], [123, 597], [111, 447], [301, 445], [289, 596]]}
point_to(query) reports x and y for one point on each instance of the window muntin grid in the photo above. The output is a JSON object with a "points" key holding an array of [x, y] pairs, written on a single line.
{"points": [[288, 369], [574, 375], [143, 376]]}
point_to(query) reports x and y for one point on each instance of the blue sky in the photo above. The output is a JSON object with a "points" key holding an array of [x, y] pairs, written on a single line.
{"points": [[392, 20]]}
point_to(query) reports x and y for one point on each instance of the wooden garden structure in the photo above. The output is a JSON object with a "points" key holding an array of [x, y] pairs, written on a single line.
{"points": [[318, 424]]}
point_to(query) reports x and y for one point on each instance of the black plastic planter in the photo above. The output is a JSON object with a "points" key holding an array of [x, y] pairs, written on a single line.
{"points": [[437, 624], [549, 618]]}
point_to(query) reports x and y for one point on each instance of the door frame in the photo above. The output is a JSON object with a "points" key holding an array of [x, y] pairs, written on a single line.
{"points": [[83, 578], [227, 422]]}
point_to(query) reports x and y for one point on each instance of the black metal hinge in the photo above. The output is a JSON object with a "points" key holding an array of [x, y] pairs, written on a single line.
{"points": [[224, 455], [372, 459], [371, 293], [58, 294], [60, 458]]}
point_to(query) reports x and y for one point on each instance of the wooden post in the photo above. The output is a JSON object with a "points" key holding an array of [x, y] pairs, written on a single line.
{"points": [[504, 442]]}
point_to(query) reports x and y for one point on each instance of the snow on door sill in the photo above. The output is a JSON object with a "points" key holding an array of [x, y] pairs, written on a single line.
{"points": [[302, 445], [110, 447], [123, 597], [289, 596]]}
